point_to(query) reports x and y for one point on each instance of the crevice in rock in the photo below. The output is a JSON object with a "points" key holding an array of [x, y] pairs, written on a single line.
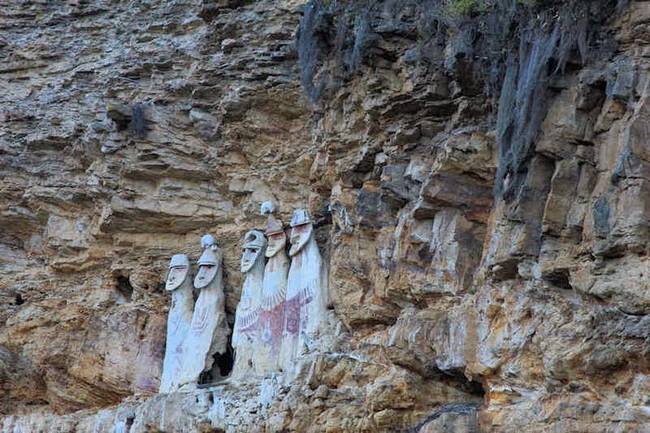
{"points": [[452, 377], [124, 287], [464, 408], [225, 361], [559, 278], [18, 299], [505, 270], [460, 381], [138, 124], [129, 423]]}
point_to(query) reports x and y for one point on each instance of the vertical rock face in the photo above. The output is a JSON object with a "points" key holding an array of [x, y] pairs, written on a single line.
{"points": [[478, 184], [91, 211]]}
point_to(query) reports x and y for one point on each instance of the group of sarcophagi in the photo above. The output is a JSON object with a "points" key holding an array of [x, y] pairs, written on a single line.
{"points": [[283, 303]]}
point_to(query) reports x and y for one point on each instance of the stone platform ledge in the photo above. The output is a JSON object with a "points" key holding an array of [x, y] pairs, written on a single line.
{"points": [[223, 407]]}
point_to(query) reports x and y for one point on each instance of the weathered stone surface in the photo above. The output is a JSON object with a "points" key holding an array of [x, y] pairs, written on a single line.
{"points": [[479, 188], [389, 398], [91, 214]]}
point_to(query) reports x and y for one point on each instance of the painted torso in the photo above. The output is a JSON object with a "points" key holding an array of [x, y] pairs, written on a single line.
{"points": [[305, 306], [246, 319], [271, 320]]}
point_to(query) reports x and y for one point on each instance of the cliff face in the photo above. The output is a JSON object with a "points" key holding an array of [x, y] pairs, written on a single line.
{"points": [[480, 185]]}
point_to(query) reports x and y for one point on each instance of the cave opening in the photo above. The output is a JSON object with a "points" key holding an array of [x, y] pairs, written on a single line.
{"points": [[559, 278], [18, 299], [124, 287], [475, 388], [458, 379]]}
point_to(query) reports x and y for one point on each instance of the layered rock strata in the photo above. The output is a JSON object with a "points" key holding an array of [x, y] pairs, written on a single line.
{"points": [[479, 186]]}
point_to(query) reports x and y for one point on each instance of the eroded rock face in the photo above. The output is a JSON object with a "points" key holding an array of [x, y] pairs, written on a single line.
{"points": [[92, 211], [480, 200]]}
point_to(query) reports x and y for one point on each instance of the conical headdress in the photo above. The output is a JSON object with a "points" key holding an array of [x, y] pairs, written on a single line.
{"points": [[273, 224]]}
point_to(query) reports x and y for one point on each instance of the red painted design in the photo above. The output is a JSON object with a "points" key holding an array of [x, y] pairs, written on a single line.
{"points": [[270, 326], [292, 315]]}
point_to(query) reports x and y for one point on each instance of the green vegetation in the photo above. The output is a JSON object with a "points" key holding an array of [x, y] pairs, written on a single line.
{"points": [[466, 7]]}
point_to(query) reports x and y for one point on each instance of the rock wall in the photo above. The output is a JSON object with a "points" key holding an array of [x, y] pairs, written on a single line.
{"points": [[480, 185]]}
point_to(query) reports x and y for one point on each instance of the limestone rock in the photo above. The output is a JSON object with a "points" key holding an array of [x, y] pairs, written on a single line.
{"points": [[478, 184]]}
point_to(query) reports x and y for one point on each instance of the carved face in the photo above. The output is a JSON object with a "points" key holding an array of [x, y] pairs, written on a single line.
{"points": [[277, 241], [300, 235], [205, 275], [176, 276], [248, 258]]}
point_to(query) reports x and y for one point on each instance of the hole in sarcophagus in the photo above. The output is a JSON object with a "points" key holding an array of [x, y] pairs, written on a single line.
{"points": [[221, 368]]}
